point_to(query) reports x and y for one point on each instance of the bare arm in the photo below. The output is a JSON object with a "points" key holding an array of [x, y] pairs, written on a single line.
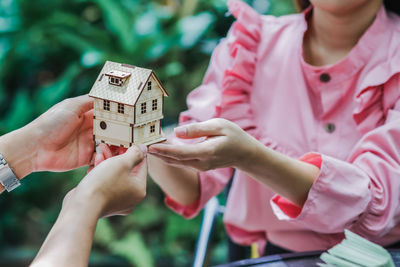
{"points": [[59, 140], [289, 177], [227, 145], [113, 187], [70, 240], [180, 183], [18, 148]]}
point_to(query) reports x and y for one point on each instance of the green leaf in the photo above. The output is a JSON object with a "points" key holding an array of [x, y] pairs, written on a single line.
{"points": [[133, 248], [9, 24], [71, 39], [20, 113], [104, 234], [281, 7], [119, 22], [178, 227], [173, 69], [57, 91], [192, 28], [91, 58], [147, 24], [147, 213]]}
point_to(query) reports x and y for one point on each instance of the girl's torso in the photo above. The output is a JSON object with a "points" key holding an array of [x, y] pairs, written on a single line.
{"points": [[299, 109]]}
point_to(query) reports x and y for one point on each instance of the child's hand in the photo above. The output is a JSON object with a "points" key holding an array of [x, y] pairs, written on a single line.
{"points": [[226, 144], [116, 185]]}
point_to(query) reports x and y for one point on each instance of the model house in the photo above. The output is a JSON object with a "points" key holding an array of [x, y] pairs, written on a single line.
{"points": [[128, 105]]}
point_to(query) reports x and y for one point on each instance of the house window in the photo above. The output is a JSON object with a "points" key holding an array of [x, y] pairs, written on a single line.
{"points": [[115, 81], [149, 85], [106, 105], [152, 128], [121, 108], [143, 108], [116, 77], [103, 125], [154, 104]]}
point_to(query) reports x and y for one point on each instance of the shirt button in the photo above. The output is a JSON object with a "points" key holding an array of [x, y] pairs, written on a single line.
{"points": [[330, 127], [324, 77]]}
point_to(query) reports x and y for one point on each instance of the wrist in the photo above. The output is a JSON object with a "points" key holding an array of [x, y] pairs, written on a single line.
{"points": [[19, 150], [250, 154], [78, 202]]}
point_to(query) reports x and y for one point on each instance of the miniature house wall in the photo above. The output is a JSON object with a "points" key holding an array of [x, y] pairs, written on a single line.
{"points": [[128, 105]]}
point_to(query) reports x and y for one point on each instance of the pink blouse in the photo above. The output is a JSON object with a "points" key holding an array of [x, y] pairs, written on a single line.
{"points": [[348, 113]]}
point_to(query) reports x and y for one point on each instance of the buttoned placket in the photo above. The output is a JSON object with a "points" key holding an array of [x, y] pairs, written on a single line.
{"points": [[325, 78], [331, 83]]}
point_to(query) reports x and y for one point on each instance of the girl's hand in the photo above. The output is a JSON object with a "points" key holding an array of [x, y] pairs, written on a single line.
{"points": [[224, 144]]}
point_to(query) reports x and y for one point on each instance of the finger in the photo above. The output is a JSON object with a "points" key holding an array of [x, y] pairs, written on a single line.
{"points": [[91, 162], [86, 144], [80, 104], [105, 149], [133, 156], [169, 160], [122, 150], [194, 163], [91, 167], [180, 152], [87, 121], [103, 152], [195, 130], [113, 150], [140, 172], [99, 158]]}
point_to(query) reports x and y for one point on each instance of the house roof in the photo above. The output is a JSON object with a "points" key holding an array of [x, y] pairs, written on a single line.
{"points": [[130, 91]]}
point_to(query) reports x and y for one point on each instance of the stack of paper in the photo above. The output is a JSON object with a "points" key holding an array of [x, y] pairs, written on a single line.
{"points": [[355, 251]]}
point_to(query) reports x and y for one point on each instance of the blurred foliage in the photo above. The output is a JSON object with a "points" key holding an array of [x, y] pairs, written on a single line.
{"points": [[51, 50]]}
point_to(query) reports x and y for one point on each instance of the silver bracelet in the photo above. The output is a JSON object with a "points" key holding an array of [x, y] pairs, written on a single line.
{"points": [[7, 176]]}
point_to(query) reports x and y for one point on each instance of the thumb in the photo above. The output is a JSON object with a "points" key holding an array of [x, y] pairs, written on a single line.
{"points": [[140, 171], [195, 130], [80, 104], [134, 155]]}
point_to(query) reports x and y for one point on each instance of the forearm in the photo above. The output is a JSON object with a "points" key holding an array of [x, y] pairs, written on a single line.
{"points": [[70, 240], [19, 149], [180, 183], [290, 178]]}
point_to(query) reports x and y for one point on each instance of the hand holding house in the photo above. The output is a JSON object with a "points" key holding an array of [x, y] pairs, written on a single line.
{"points": [[128, 105]]}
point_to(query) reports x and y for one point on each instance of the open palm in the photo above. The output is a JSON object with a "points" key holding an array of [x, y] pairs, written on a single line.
{"points": [[65, 135]]}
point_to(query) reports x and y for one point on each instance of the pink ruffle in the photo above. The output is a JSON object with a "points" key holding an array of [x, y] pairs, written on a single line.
{"points": [[238, 78], [378, 92]]}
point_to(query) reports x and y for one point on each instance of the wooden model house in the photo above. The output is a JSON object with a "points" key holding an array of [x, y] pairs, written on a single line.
{"points": [[128, 105]]}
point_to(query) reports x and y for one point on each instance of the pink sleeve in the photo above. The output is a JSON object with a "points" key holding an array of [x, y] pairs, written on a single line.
{"points": [[290, 209], [363, 193], [211, 183], [224, 93]]}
